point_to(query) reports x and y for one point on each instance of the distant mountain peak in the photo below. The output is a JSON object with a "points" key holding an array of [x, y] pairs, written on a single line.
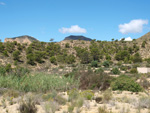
{"points": [[79, 37]]}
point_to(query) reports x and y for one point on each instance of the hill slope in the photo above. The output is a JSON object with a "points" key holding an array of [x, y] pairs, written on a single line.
{"points": [[21, 39]]}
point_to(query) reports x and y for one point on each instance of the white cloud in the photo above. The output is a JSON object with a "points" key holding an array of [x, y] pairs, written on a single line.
{"points": [[73, 29], [134, 26], [2, 3], [127, 39]]}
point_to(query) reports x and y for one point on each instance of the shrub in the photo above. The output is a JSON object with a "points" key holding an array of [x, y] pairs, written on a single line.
{"points": [[126, 83], [20, 71], [67, 45], [70, 59], [103, 110], [144, 82], [5, 53], [94, 63], [108, 57], [16, 55], [133, 70], [73, 94], [51, 107], [8, 68], [106, 63], [30, 59], [137, 58], [121, 55], [28, 106], [2, 70], [107, 95], [87, 94], [53, 60], [99, 70], [115, 71], [144, 102], [91, 80]]}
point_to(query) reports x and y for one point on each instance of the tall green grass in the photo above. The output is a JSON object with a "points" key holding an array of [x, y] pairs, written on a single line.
{"points": [[40, 82]]}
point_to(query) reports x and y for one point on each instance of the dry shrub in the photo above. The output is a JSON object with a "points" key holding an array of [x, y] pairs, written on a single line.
{"points": [[103, 110], [107, 95], [91, 80], [144, 82], [28, 105]]}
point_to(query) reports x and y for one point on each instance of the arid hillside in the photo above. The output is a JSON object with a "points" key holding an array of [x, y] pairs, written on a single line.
{"points": [[21, 39]]}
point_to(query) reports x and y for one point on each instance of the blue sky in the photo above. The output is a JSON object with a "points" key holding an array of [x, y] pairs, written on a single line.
{"points": [[96, 19]]}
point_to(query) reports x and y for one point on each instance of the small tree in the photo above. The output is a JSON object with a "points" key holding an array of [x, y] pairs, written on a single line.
{"points": [[106, 63], [16, 55], [53, 60], [137, 58]]}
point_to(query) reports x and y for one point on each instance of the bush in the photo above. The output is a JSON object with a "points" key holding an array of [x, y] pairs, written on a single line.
{"points": [[28, 106], [107, 95], [91, 80], [137, 58], [2, 70], [94, 64], [30, 59], [106, 63], [87, 94], [8, 68], [115, 71], [133, 70], [5, 53], [67, 45], [16, 55], [53, 60], [20, 71], [99, 70], [126, 83], [103, 110]]}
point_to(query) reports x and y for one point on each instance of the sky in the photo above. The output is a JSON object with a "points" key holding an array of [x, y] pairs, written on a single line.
{"points": [[96, 19]]}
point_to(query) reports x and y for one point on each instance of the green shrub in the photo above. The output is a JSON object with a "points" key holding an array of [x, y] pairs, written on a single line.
{"points": [[2, 70], [30, 59], [115, 71], [67, 45], [133, 70], [53, 60], [5, 53], [137, 58], [106, 63], [73, 94], [87, 94], [20, 71], [16, 55], [121, 55], [126, 83], [8, 68], [99, 70], [94, 64]]}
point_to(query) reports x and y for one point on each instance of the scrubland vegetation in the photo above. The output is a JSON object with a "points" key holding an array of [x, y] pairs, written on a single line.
{"points": [[73, 77]]}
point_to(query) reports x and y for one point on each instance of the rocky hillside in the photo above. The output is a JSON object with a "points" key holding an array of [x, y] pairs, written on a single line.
{"points": [[21, 39], [72, 37]]}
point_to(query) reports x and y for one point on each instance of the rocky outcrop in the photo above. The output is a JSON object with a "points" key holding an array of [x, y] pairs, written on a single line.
{"points": [[21, 39]]}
